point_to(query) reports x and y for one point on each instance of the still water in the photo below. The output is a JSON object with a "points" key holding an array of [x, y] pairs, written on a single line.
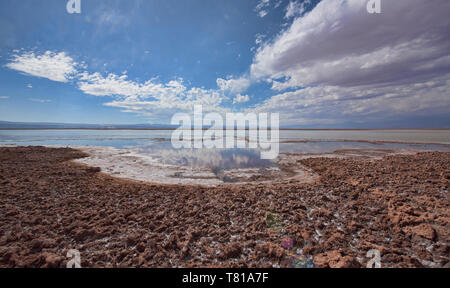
{"points": [[157, 144]]}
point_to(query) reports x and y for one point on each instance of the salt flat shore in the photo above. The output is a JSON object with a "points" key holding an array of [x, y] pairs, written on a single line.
{"points": [[353, 201], [133, 165]]}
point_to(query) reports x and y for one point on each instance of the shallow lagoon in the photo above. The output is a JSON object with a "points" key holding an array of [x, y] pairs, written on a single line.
{"points": [[156, 143]]}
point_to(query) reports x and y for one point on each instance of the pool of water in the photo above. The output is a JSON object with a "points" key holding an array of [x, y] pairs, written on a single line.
{"points": [[212, 158]]}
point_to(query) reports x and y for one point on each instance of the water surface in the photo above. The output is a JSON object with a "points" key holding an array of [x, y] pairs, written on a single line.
{"points": [[156, 143]]}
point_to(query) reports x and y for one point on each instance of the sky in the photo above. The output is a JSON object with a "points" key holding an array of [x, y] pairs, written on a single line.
{"points": [[319, 64]]}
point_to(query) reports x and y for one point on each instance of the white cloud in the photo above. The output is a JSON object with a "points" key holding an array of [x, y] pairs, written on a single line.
{"points": [[40, 100], [233, 85], [114, 85], [263, 13], [346, 64], [332, 104], [278, 3], [338, 62], [339, 43], [262, 8], [29, 86], [296, 8], [241, 99], [150, 98], [54, 66], [4, 97], [259, 38]]}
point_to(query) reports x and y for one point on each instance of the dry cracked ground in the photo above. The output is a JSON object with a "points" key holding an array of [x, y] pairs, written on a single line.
{"points": [[398, 205]]}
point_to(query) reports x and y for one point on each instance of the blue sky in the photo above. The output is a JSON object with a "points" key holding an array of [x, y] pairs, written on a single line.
{"points": [[327, 64]]}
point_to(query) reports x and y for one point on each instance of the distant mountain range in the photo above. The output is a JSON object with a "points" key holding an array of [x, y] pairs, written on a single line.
{"points": [[43, 125]]}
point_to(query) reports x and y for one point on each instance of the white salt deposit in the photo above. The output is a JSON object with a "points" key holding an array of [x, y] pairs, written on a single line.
{"points": [[136, 164], [131, 165]]}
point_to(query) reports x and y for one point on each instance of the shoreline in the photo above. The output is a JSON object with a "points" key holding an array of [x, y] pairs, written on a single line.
{"points": [[173, 129], [130, 164], [375, 142], [282, 141], [398, 205]]}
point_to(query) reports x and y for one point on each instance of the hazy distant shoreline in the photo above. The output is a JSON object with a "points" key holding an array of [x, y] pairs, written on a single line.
{"points": [[6, 125], [172, 129]]}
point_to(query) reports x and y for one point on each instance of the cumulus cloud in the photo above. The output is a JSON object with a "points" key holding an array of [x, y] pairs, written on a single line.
{"points": [[233, 85], [163, 108], [334, 63], [150, 98], [114, 85], [332, 104], [241, 99], [57, 67], [339, 43], [344, 63]]}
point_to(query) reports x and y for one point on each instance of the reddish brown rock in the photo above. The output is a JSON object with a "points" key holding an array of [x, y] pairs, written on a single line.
{"points": [[270, 250], [231, 251], [37, 245], [53, 261], [334, 259], [140, 247], [397, 204], [422, 230]]}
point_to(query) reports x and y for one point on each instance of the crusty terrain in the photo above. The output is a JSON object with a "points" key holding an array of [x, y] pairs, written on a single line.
{"points": [[398, 205]]}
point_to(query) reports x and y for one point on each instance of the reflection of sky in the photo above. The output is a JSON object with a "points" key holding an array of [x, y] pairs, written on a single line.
{"points": [[214, 158]]}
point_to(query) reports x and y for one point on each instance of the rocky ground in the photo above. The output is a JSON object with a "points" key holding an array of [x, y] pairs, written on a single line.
{"points": [[398, 205]]}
